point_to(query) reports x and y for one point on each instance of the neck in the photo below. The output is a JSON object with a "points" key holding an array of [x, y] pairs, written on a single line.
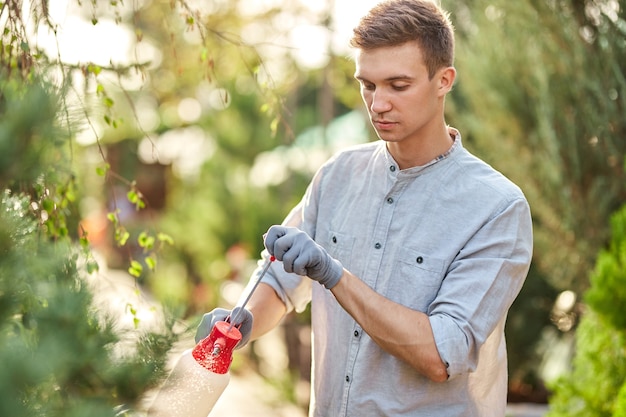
{"points": [[421, 150]]}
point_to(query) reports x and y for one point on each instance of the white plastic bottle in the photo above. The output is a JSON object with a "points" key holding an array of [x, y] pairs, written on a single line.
{"points": [[199, 377]]}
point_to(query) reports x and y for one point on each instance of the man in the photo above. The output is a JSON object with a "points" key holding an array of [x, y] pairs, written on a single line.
{"points": [[420, 248]]}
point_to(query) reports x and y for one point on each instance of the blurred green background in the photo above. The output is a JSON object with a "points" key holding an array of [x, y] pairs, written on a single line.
{"points": [[162, 138]]}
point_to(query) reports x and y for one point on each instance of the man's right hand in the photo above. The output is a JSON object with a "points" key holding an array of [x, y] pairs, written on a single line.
{"points": [[302, 255], [244, 323]]}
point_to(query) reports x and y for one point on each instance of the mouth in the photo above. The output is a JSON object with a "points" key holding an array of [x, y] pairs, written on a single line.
{"points": [[383, 124]]}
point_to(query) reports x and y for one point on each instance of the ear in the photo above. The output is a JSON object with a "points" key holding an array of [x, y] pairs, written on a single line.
{"points": [[446, 79]]}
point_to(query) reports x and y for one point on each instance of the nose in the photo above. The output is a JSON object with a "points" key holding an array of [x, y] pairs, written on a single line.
{"points": [[380, 102]]}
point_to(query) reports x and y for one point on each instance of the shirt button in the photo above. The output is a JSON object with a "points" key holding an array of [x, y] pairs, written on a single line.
{"points": [[419, 260], [378, 246], [356, 333], [347, 378], [390, 200], [392, 168], [334, 239]]}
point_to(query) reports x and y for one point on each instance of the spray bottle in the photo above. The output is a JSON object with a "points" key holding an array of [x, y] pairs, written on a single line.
{"points": [[199, 377], [201, 374]]}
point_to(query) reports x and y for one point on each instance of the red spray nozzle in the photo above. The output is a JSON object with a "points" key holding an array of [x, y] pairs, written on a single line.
{"points": [[215, 352]]}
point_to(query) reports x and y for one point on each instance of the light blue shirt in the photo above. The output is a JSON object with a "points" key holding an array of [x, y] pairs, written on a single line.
{"points": [[452, 239]]}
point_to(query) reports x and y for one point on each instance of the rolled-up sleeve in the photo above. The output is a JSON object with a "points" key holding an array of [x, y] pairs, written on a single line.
{"points": [[480, 286]]}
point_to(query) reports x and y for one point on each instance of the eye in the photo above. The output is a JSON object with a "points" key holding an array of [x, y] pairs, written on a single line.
{"points": [[367, 86], [399, 87]]}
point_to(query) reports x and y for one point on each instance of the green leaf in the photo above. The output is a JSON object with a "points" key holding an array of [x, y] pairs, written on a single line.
{"points": [[151, 262], [165, 238], [48, 205], [145, 241], [95, 70], [102, 171], [132, 196], [121, 236], [92, 266], [135, 270], [135, 198], [112, 216]]}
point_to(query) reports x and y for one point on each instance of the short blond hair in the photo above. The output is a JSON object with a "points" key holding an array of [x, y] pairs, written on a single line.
{"points": [[396, 22]]}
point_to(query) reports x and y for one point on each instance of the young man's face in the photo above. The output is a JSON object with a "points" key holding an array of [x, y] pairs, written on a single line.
{"points": [[402, 102]]}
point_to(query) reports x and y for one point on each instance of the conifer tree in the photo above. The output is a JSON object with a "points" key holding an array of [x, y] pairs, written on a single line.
{"points": [[596, 386], [60, 357]]}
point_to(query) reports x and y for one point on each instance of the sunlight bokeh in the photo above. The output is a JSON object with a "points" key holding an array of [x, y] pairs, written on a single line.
{"points": [[78, 40]]}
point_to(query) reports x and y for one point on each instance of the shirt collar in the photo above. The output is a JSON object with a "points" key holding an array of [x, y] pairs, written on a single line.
{"points": [[456, 144]]}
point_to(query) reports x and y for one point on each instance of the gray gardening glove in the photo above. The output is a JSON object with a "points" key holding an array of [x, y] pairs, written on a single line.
{"points": [[301, 255], [244, 323]]}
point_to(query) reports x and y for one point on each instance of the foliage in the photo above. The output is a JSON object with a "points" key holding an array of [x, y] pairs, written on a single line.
{"points": [[620, 403], [201, 59], [63, 356], [599, 368], [552, 121], [597, 383], [544, 104], [608, 292], [252, 174], [60, 356], [220, 89]]}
